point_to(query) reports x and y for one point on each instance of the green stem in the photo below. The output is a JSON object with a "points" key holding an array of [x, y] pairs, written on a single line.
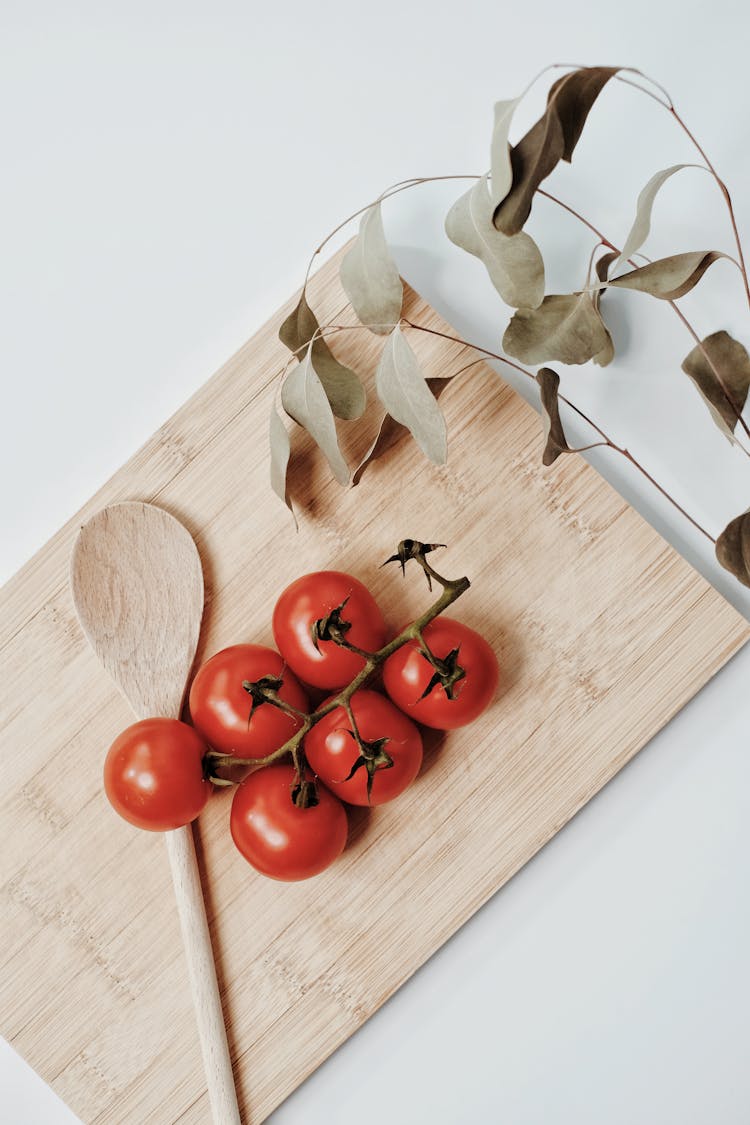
{"points": [[347, 704], [451, 590]]}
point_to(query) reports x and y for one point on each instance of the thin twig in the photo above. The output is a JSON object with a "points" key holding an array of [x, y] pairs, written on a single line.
{"points": [[672, 111], [604, 241], [672, 304], [606, 439], [394, 189], [451, 589], [727, 197]]}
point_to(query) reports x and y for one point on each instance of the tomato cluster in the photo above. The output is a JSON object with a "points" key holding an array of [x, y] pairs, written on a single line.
{"points": [[248, 701]]}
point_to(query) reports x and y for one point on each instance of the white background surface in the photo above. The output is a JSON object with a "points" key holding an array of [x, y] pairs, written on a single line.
{"points": [[168, 168]]}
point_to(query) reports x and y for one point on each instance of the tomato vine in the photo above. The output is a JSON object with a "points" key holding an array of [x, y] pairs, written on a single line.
{"points": [[333, 628]]}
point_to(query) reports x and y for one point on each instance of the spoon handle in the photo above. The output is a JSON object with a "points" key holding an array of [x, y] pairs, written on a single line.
{"points": [[202, 971]]}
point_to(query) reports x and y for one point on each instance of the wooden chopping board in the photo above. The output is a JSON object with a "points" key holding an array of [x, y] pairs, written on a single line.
{"points": [[603, 633]]}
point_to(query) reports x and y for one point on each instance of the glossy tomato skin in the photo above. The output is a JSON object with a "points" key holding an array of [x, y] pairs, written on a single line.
{"points": [[312, 597], [331, 750], [153, 774], [277, 838], [407, 673], [220, 706]]}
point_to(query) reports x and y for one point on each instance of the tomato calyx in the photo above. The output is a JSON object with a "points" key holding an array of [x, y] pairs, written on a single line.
{"points": [[372, 757], [213, 760], [413, 549], [220, 766], [266, 690], [304, 793], [448, 672], [332, 627]]}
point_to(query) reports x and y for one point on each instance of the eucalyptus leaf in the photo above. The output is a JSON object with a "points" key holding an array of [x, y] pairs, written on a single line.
{"points": [[390, 430], [386, 436], [551, 139], [514, 263], [602, 268], [641, 227], [733, 548], [604, 357], [342, 386], [606, 353], [500, 165], [555, 441], [299, 327], [305, 400], [403, 391], [280, 447], [720, 368], [669, 278], [370, 278], [566, 327]]}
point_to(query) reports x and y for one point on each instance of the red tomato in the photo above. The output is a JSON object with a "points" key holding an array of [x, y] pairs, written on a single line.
{"points": [[153, 774], [220, 707], [312, 598], [275, 836], [331, 750], [407, 673]]}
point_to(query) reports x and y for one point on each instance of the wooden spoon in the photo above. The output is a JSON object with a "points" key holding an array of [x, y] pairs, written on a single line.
{"points": [[138, 591]]}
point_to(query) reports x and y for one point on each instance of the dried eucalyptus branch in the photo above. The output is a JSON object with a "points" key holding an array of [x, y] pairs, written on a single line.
{"points": [[717, 383], [559, 437], [724, 191], [487, 221], [563, 447]]}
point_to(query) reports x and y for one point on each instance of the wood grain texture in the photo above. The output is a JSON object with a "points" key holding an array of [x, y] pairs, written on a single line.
{"points": [[603, 633], [137, 587]]}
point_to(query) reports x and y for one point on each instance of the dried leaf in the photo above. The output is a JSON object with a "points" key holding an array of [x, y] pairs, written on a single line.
{"points": [[555, 441], [514, 263], [500, 166], [299, 327], [280, 447], [389, 430], [386, 436], [566, 327], [370, 278], [669, 278], [604, 357], [403, 391], [342, 385], [602, 272], [305, 400], [733, 548], [720, 368], [553, 138], [642, 223], [607, 354]]}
